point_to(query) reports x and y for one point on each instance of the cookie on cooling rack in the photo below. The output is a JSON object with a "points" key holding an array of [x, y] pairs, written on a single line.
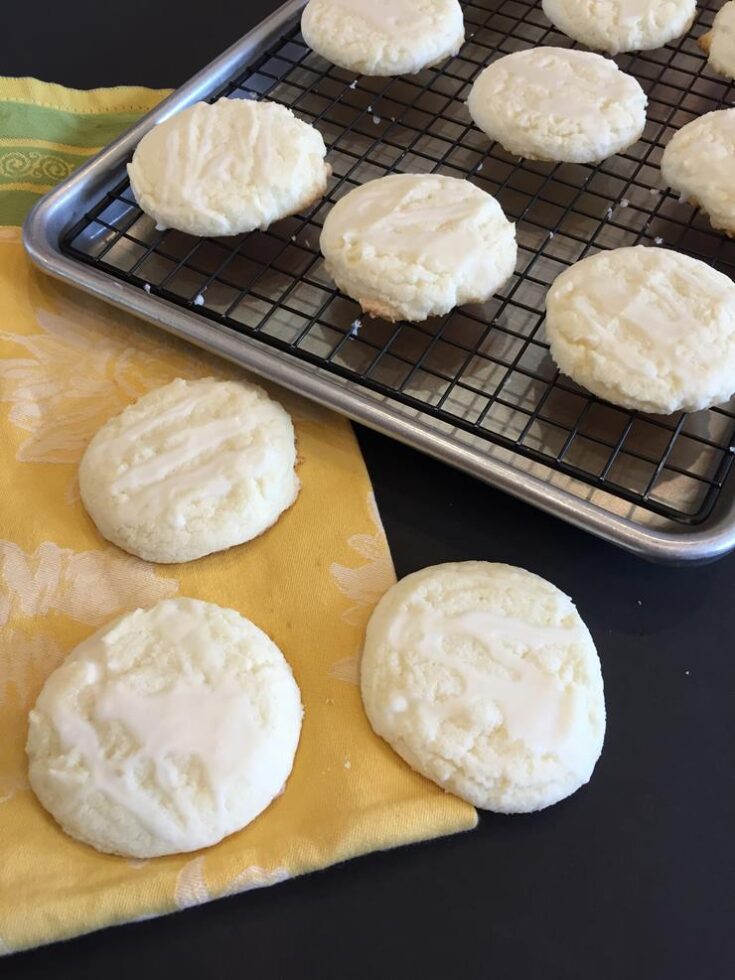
{"points": [[228, 168], [189, 469], [719, 43], [484, 678], [621, 25], [411, 246], [699, 163], [558, 104], [165, 731], [383, 37], [645, 328]]}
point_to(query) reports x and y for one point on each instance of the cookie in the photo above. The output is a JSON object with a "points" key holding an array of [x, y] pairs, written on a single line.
{"points": [[484, 678], [165, 731], [190, 468], [645, 328], [558, 104], [383, 37], [719, 43], [410, 246], [621, 25], [699, 163], [228, 168]]}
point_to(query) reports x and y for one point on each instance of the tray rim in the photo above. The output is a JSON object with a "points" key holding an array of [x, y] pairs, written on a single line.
{"points": [[54, 213]]}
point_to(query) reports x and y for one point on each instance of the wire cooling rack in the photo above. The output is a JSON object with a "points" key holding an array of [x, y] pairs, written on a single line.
{"points": [[483, 370]]}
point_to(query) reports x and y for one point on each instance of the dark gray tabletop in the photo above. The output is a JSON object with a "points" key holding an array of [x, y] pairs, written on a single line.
{"points": [[633, 876]]}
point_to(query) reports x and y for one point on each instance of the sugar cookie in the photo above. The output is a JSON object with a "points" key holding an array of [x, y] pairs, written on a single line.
{"points": [[719, 43], [228, 168], [622, 25], [410, 246], [484, 678], [383, 37], [645, 328], [165, 731], [699, 163], [558, 104], [190, 468]]}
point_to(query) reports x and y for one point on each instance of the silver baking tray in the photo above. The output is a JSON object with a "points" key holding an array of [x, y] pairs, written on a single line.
{"points": [[476, 389]]}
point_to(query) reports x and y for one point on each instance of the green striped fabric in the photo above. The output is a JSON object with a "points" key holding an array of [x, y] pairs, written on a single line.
{"points": [[47, 131]]}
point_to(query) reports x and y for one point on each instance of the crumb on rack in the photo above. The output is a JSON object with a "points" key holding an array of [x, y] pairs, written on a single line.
{"points": [[353, 84], [355, 327], [658, 240], [653, 190], [147, 287], [624, 202], [199, 299], [551, 234], [609, 213], [479, 167], [376, 119]]}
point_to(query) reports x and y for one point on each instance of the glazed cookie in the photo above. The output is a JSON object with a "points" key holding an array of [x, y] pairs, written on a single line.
{"points": [[410, 246], [383, 37], [621, 25], [484, 678], [190, 468], [165, 731], [699, 163], [645, 328], [719, 43], [228, 168], [558, 104]]}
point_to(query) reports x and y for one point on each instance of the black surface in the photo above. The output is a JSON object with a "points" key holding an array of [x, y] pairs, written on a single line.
{"points": [[632, 877]]}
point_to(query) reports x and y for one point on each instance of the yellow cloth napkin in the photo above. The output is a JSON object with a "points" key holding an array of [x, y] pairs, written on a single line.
{"points": [[68, 363]]}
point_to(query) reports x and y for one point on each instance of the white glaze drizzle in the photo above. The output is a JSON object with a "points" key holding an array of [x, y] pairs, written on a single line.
{"points": [[534, 706], [215, 723]]}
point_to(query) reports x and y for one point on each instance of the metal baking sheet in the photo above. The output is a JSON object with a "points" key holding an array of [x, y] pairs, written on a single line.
{"points": [[477, 388]]}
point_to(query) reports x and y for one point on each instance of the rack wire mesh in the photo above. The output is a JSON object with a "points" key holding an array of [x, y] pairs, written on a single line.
{"points": [[485, 369]]}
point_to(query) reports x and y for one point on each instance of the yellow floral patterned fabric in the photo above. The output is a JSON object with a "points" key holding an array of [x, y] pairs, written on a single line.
{"points": [[68, 363]]}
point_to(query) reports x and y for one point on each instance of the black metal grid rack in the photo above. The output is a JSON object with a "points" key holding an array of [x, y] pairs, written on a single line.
{"points": [[485, 370]]}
